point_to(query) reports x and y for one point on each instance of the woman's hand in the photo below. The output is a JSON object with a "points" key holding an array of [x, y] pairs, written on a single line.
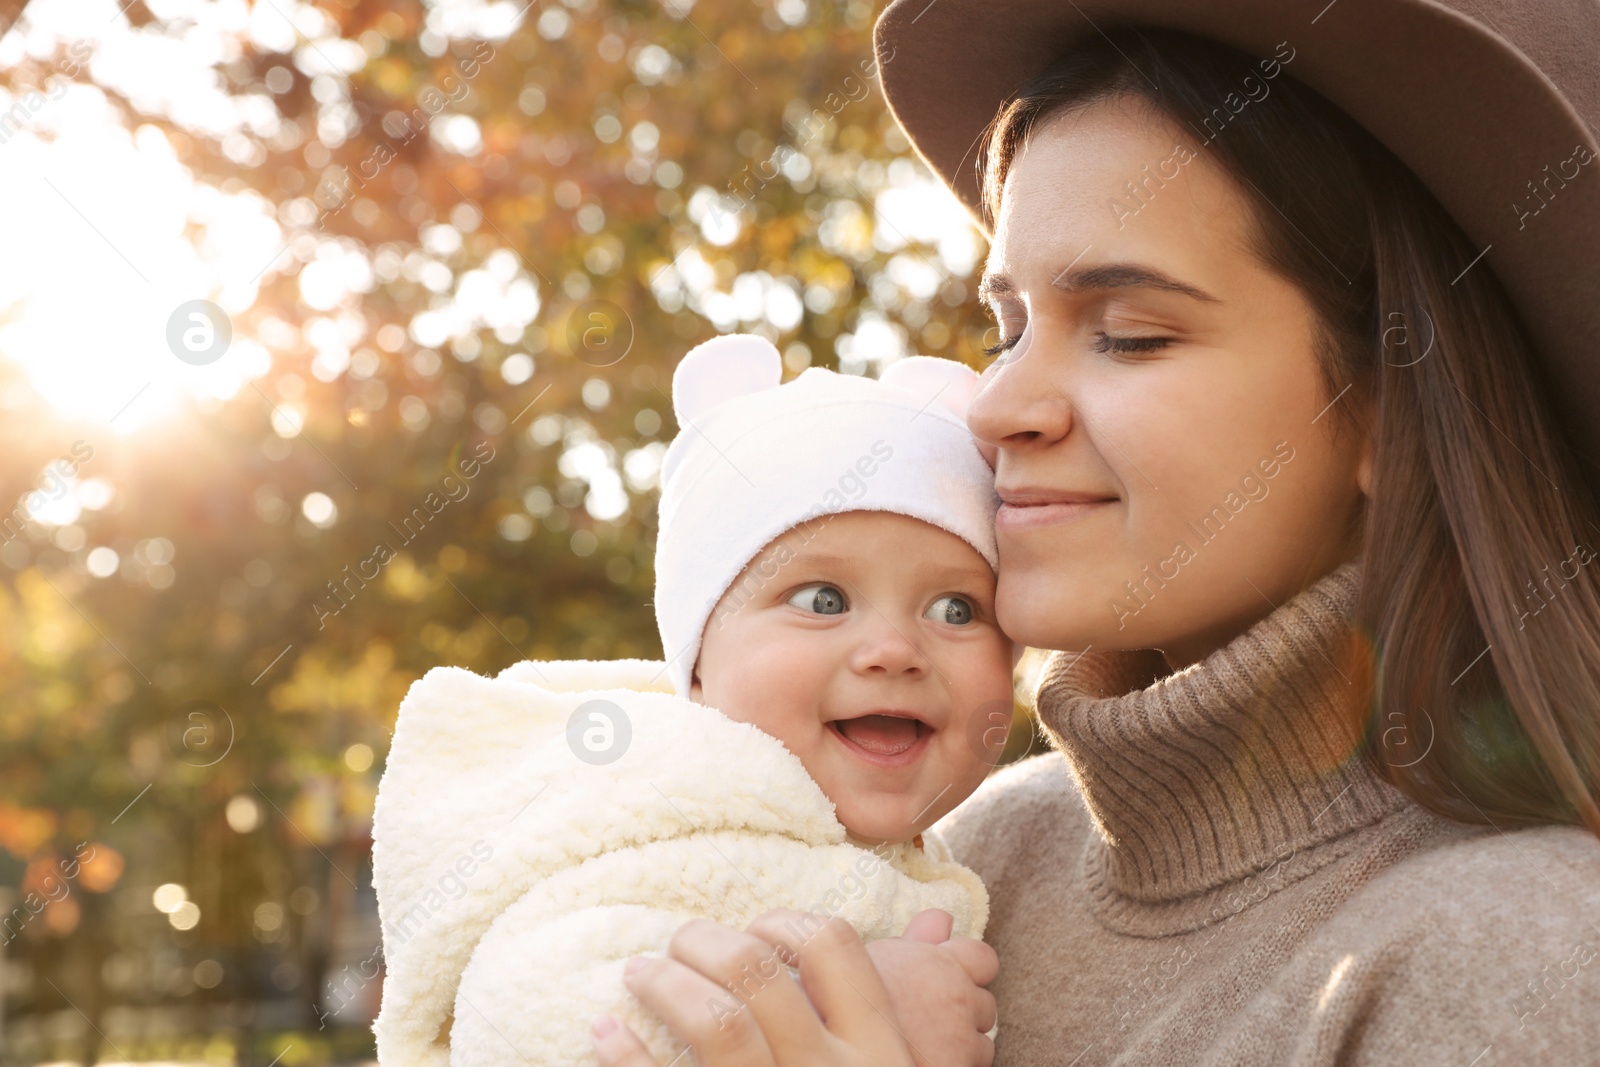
{"points": [[936, 987], [728, 994]]}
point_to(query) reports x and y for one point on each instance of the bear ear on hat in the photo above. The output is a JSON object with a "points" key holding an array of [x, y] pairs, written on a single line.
{"points": [[716, 371], [942, 382]]}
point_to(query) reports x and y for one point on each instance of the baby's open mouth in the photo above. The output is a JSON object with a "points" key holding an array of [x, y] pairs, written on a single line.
{"points": [[882, 735]]}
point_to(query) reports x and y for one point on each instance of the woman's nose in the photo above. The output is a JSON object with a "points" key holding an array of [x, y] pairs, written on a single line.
{"points": [[1021, 400]]}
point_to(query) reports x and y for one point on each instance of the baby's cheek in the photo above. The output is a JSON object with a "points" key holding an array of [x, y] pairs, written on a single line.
{"points": [[827, 768], [983, 732]]}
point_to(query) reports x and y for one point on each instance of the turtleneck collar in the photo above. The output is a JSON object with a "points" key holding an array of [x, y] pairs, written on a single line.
{"points": [[1242, 766]]}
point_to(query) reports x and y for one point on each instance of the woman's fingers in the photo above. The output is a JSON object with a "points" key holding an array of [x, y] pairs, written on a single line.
{"points": [[728, 994], [697, 1010], [617, 1046], [838, 976], [980, 961], [756, 989]]}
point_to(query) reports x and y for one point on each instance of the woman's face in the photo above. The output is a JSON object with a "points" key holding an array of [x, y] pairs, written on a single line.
{"points": [[1161, 433]]}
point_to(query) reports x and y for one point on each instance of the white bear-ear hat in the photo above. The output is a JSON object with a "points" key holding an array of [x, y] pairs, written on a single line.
{"points": [[756, 456]]}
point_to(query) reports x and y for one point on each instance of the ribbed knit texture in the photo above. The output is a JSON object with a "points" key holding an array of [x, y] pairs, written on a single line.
{"points": [[1222, 769], [1215, 874]]}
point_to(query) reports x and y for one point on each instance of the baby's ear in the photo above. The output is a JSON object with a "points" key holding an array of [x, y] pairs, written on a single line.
{"points": [[721, 369], [936, 381]]}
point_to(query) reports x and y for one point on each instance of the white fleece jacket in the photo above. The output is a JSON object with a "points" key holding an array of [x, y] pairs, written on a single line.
{"points": [[514, 878]]}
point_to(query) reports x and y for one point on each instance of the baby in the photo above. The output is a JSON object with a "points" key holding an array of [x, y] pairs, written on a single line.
{"points": [[833, 684]]}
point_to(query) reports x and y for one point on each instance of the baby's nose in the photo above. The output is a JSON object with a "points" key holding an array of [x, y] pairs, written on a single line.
{"points": [[887, 646]]}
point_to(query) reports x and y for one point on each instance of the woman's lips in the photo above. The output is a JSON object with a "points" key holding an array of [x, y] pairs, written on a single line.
{"points": [[1056, 513]]}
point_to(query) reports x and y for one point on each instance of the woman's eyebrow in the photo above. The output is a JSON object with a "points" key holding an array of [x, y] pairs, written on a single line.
{"points": [[1104, 276], [991, 286]]}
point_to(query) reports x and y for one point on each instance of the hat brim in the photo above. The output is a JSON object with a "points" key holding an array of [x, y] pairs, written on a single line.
{"points": [[1472, 117]]}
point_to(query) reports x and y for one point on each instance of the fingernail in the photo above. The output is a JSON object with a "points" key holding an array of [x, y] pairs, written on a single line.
{"points": [[632, 966], [603, 1027]]}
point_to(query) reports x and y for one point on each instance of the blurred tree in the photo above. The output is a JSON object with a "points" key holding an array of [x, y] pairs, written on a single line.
{"points": [[500, 227]]}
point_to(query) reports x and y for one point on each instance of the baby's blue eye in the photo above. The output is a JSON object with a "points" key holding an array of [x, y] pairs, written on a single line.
{"points": [[819, 597], [955, 610]]}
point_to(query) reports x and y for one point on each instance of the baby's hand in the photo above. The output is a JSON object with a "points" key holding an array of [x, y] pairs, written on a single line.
{"points": [[935, 988]]}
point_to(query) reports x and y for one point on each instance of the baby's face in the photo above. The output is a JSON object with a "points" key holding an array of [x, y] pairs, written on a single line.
{"points": [[866, 642]]}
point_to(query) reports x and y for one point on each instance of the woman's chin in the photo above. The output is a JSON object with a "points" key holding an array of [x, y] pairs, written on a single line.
{"points": [[1034, 616]]}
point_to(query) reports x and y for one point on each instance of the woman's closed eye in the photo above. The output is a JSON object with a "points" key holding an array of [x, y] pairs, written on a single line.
{"points": [[1109, 343], [955, 610], [1005, 343], [1105, 343], [819, 597]]}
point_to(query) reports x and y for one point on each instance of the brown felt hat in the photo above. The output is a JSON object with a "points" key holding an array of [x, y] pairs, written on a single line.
{"points": [[1477, 97]]}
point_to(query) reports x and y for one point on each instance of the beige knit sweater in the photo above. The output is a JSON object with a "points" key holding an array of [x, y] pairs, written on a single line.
{"points": [[1211, 875]]}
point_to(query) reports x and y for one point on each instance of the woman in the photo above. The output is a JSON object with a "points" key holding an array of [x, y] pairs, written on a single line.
{"points": [[1287, 477]]}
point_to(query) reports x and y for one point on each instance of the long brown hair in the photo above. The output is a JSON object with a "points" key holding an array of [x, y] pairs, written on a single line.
{"points": [[1477, 595]]}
